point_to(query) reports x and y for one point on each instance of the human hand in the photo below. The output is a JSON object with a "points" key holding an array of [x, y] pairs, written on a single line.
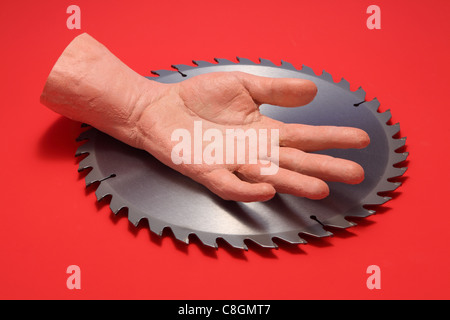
{"points": [[145, 114]]}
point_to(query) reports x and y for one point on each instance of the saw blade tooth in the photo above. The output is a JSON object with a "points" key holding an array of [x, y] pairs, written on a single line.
{"points": [[115, 204], [156, 226], [307, 70], [338, 222], [393, 129], [360, 93], [181, 234], [359, 212], [292, 238], [344, 84], [85, 164], [263, 241], [388, 186], [207, 239], [92, 177], [265, 62], [102, 191], [85, 148], [134, 217], [201, 63], [394, 172], [223, 61], [317, 231], [399, 157], [287, 65], [373, 104], [244, 61], [385, 116], [235, 242], [375, 199], [86, 135], [398, 143], [163, 72], [326, 76], [182, 67]]}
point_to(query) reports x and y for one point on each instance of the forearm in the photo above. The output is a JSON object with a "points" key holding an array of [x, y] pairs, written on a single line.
{"points": [[89, 84]]}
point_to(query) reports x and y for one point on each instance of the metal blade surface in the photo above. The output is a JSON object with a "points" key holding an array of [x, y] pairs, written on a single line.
{"points": [[167, 199]]}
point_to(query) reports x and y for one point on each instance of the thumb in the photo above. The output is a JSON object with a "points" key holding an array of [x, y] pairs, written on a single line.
{"points": [[284, 92]]}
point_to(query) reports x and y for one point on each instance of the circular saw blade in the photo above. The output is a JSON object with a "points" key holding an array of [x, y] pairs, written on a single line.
{"points": [[150, 190]]}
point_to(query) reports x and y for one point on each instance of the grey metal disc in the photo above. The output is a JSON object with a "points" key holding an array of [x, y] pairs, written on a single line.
{"points": [[153, 191]]}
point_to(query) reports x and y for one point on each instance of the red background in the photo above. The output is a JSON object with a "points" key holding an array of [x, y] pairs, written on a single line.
{"points": [[49, 220]]}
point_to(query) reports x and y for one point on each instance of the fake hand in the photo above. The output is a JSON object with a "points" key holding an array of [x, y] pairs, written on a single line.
{"points": [[171, 121]]}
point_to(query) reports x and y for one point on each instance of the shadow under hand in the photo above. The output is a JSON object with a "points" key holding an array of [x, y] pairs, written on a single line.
{"points": [[58, 142]]}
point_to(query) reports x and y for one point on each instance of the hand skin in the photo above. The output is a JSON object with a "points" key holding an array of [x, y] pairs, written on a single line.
{"points": [[89, 84]]}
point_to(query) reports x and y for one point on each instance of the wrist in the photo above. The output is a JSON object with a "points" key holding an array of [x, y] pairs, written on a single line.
{"points": [[89, 84]]}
